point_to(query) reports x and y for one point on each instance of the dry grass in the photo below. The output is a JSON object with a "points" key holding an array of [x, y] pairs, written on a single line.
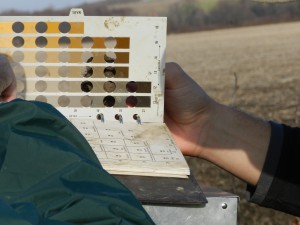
{"points": [[265, 60]]}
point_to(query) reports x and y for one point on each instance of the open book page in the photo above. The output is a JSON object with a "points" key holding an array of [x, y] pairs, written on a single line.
{"points": [[134, 149]]}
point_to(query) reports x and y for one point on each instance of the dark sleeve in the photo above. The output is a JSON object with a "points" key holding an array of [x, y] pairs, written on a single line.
{"points": [[49, 174], [279, 183]]}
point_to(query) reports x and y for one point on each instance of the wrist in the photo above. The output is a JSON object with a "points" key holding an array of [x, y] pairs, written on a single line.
{"points": [[205, 125], [235, 141]]}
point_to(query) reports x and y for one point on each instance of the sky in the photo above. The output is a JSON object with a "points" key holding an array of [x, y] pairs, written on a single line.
{"points": [[34, 5]]}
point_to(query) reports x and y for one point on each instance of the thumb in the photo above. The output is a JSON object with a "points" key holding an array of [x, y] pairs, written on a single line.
{"points": [[176, 77]]}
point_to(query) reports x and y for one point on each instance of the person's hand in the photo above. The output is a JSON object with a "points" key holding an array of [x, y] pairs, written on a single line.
{"points": [[7, 80], [202, 127], [187, 109]]}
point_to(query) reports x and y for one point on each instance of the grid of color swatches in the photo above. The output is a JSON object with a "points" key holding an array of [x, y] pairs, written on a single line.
{"points": [[47, 44], [89, 66]]}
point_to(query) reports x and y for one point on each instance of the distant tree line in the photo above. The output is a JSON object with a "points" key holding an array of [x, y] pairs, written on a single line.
{"points": [[91, 9], [187, 16]]}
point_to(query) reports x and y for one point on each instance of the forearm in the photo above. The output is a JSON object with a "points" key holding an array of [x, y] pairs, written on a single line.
{"points": [[236, 142]]}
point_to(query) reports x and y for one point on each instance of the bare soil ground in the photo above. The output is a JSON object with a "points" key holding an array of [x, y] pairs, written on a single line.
{"points": [[266, 61]]}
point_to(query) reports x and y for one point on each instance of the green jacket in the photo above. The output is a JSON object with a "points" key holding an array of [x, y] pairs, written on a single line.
{"points": [[51, 176]]}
